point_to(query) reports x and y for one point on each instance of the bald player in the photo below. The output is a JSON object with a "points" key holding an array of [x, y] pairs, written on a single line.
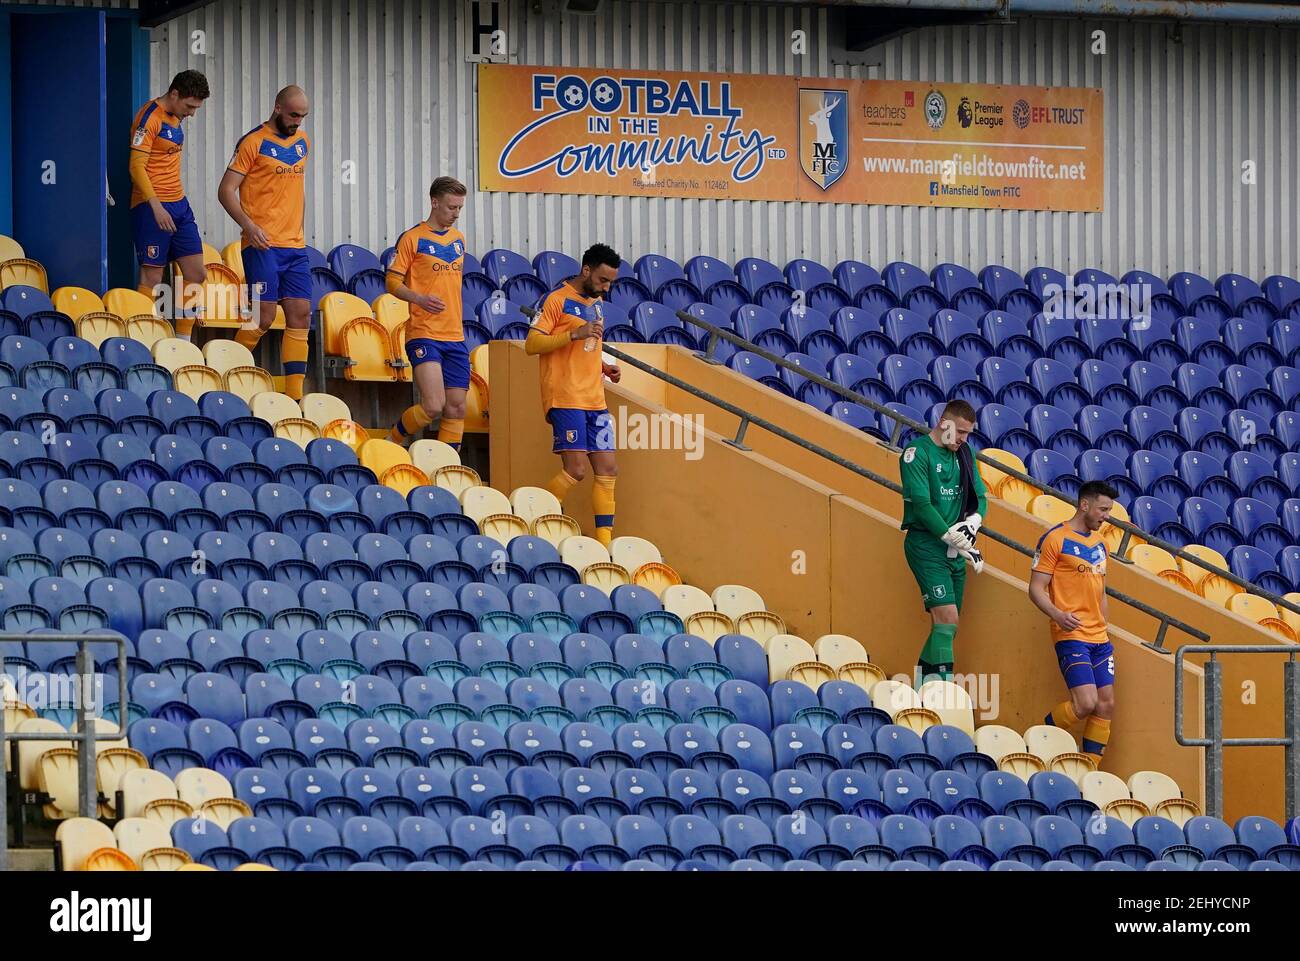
{"points": [[263, 191], [162, 222]]}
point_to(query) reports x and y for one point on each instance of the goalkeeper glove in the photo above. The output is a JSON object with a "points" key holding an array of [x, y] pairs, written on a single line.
{"points": [[976, 559], [959, 537]]}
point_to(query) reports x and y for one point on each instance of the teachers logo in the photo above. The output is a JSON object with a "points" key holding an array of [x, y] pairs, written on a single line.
{"points": [[824, 135]]}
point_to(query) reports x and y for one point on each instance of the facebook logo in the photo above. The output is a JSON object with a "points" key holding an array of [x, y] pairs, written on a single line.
{"points": [[934, 188]]}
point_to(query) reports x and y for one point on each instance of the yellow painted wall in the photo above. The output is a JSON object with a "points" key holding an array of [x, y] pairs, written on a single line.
{"points": [[824, 561]]}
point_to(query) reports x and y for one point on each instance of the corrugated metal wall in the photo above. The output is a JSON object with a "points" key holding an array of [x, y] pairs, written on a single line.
{"points": [[393, 93]]}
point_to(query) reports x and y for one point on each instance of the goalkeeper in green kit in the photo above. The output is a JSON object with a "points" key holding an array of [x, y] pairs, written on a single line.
{"points": [[943, 507]]}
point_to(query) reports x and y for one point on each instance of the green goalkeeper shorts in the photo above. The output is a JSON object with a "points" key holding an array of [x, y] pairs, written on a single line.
{"points": [[941, 578]]}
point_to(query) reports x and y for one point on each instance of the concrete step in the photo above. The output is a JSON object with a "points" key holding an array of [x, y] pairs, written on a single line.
{"points": [[31, 859]]}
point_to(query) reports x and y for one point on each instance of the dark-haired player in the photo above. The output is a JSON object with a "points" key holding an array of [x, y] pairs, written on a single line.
{"points": [[566, 334], [162, 222], [1068, 584]]}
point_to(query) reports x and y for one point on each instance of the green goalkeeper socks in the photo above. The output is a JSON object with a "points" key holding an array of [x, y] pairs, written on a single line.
{"points": [[937, 656]]}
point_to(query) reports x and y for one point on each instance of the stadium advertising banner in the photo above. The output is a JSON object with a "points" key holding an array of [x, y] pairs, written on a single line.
{"points": [[730, 136]]}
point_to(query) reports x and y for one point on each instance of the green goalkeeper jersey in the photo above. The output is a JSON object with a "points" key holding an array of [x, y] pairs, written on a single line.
{"points": [[932, 498]]}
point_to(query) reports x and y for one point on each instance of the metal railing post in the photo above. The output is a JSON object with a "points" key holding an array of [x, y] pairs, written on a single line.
{"points": [[1214, 731], [1291, 755], [87, 792]]}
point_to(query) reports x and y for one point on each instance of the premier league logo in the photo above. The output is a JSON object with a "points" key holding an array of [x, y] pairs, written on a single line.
{"points": [[824, 135]]}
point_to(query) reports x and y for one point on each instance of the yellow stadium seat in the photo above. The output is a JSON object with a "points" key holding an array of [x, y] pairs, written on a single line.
{"points": [[111, 766], [951, 702], [195, 380], [1051, 509], [56, 775], [24, 272], [456, 477], [248, 383], [838, 650], [164, 859], [1160, 562], [1153, 788], [254, 866], [347, 431], [393, 315], [478, 361], [632, 552], [77, 302], [579, 552], [369, 351], [862, 673], [297, 429], [1217, 590], [995, 740], [482, 501], [505, 527], [1102, 787], [1252, 607], [175, 353], [10, 249], [337, 310], [555, 529], [232, 255], [29, 752], [136, 837], [1195, 573], [192, 866], [1022, 764], [1048, 742], [1178, 810], [785, 651], [1128, 810], [140, 787], [685, 600], [323, 409], [379, 455], [196, 785], [110, 859], [167, 811], [15, 714], [404, 478], [811, 674], [1003, 485], [476, 404], [223, 303], [1279, 627], [1073, 765], [432, 455], [531, 503], [148, 330], [736, 599], [224, 811], [1290, 618], [606, 576], [893, 696], [274, 407], [709, 625], [211, 255], [128, 303], [98, 326], [760, 625], [656, 578], [79, 838], [223, 354]]}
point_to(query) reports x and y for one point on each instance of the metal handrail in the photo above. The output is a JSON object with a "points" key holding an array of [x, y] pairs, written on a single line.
{"points": [[901, 421], [747, 418], [1215, 742], [87, 789]]}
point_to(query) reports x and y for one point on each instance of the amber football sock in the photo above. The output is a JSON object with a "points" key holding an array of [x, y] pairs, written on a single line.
{"points": [[602, 505], [1096, 735], [451, 432], [413, 421], [293, 354], [560, 484], [1062, 715]]}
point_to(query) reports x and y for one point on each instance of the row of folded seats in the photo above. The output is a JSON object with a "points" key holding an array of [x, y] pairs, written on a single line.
{"points": [[1006, 814]]}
